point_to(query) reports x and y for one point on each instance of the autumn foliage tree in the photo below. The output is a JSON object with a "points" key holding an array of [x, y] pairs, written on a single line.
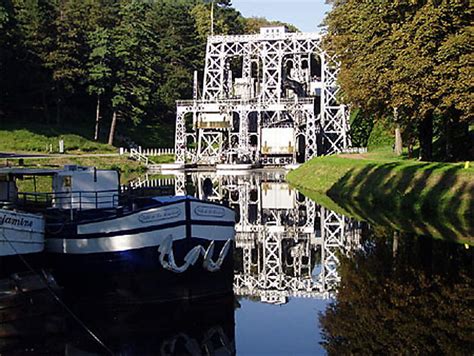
{"points": [[406, 60]]}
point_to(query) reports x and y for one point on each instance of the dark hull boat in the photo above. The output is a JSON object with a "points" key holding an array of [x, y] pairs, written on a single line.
{"points": [[101, 243], [174, 248]]}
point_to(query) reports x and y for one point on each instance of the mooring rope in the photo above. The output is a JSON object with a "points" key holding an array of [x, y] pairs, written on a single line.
{"points": [[58, 299]]}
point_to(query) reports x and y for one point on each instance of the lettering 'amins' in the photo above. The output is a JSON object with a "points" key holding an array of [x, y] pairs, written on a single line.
{"points": [[8, 220]]}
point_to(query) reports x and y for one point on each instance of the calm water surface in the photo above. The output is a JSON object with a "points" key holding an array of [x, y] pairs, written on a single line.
{"points": [[308, 281]]}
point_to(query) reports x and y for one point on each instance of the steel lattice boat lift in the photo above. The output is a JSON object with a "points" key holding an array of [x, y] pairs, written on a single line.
{"points": [[267, 99]]}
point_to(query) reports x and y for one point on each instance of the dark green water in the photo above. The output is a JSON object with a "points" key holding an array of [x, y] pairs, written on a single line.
{"points": [[308, 281]]}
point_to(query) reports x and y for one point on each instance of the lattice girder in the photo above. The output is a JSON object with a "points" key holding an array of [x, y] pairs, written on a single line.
{"points": [[267, 268], [278, 94]]}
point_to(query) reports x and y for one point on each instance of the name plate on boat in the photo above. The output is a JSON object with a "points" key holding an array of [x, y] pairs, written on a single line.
{"points": [[15, 220], [162, 214], [213, 211]]}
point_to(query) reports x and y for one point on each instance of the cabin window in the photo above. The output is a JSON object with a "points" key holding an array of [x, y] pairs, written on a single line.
{"points": [[67, 182]]}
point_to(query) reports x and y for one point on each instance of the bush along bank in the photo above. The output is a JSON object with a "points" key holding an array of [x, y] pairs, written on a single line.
{"points": [[428, 198]]}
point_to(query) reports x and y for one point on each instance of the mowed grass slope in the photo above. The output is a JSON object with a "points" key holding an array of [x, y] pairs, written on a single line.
{"points": [[23, 137], [428, 197]]}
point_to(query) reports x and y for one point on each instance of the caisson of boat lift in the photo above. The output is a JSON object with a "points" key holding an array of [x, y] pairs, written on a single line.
{"points": [[267, 99]]}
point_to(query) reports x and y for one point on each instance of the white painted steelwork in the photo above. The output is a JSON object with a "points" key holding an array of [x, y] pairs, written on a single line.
{"points": [[273, 79]]}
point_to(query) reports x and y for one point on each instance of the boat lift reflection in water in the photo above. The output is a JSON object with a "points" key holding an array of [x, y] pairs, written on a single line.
{"points": [[286, 244]]}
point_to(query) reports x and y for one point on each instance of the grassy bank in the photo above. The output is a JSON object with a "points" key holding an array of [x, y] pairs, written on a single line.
{"points": [[29, 137], [162, 159], [427, 198], [36, 137]]}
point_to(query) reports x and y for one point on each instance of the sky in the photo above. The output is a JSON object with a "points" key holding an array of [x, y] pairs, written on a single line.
{"points": [[304, 14]]}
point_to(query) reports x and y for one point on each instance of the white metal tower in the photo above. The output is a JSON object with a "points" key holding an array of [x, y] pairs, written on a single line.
{"points": [[268, 98]]}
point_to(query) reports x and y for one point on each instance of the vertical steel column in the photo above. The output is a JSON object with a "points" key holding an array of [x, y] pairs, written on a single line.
{"points": [[180, 136], [311, 134], [243, 133]]}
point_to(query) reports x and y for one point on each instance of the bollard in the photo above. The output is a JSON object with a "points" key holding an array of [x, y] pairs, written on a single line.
{"points": [[61, 146]]}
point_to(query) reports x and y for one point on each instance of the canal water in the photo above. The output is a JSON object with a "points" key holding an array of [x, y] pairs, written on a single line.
{"points": [[308, 281]]}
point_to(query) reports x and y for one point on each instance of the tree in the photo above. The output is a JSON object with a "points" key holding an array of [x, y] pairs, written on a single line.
{"points": [[102, 20], [391, 59], [3, 16], [135, 48], [227, 20], [359, 37], [69, 53], [453, 71], [27, 79], [99, 68], [4, 34], [179, 52]]}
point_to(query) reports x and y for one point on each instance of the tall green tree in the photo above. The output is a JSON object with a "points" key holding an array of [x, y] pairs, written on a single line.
{"points": [[227, 20], [102, 20], [70, 51], [135, 48], [99, 69], [390, 53], [4, 34], [180, 54], [453, 72], [31, 44]]}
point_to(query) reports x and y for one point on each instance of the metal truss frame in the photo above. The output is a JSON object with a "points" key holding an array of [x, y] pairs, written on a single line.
{"points": [[325, 128], [264, 272]]}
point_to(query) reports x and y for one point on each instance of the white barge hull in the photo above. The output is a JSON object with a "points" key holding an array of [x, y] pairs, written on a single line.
{"points": [[20, 233]]}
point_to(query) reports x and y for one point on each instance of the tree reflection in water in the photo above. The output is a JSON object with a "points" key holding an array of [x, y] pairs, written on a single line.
{"points": [[402, 294]]}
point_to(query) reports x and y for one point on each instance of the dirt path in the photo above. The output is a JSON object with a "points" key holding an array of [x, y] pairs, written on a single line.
{"points": [[353, 155]]}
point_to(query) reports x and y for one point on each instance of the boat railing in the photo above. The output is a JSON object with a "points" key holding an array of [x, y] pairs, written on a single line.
{"points": [[72, 200]]}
